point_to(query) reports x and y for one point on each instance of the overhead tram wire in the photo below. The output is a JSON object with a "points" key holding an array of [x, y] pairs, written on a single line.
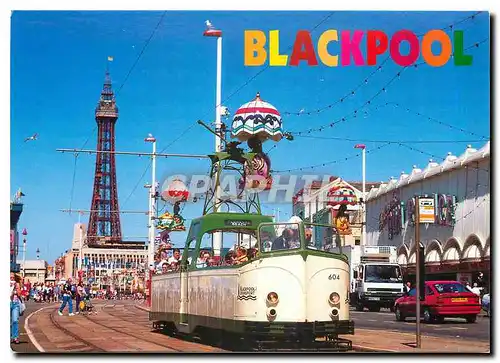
{"points": [[149, 164], [391, 141], [370, 151], [117, 92], [352, 93], [354, 114]]}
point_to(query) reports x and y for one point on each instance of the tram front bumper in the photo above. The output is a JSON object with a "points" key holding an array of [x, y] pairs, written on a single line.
{"points": [[306, 329]]}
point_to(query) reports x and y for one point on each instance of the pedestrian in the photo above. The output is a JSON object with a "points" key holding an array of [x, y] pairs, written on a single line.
{"points": [[476, 290], [78, 297], [15, 308], [408, 286], [66, 298]]}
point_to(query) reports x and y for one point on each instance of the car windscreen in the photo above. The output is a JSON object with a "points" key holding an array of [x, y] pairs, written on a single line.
{"points": [[450, 287], [383, 273]]}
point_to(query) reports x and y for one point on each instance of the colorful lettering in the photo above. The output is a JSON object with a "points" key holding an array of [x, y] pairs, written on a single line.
{"points": [[255, 54], [373, 49], [351, 47], [325, 38], [397, 39], [303, 39]]}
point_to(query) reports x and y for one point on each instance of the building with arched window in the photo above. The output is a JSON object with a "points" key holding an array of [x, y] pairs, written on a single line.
{"points": [[457, 244]]}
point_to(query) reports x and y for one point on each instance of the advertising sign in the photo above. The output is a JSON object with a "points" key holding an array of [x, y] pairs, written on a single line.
{"points": [[426, 210]]}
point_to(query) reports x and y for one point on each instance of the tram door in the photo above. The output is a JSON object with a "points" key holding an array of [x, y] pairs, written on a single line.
{"points": [[184, 308]]}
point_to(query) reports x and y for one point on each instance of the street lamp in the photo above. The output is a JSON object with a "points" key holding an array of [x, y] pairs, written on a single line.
{"points": [[211, 31], [37, 259], [152, 202], [25, 233], [363, 210]]}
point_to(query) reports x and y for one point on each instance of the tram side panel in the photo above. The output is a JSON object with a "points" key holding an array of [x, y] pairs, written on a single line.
{"points": [[212, 295], [165, 298]]}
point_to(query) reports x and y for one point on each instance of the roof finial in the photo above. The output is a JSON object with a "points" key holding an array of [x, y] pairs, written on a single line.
{"points": [[257, 97]]}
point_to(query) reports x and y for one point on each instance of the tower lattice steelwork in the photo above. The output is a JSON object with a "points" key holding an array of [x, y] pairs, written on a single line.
{"points": [[104, 223]]}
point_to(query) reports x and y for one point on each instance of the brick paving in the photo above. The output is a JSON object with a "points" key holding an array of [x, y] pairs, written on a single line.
{"points": [[398, 342], [115, 328]]}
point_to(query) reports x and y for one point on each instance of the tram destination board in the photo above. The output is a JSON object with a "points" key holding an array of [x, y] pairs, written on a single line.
{"points": [[237, 223]]}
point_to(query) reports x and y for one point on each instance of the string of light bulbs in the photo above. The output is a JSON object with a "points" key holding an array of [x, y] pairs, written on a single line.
{"points": [[364, 82], [432, 119], [331, 162], [392, 141], [367, 103], [439, 157]]}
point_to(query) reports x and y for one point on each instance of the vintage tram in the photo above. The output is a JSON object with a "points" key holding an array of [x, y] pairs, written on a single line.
{"points": [[287, 289]]}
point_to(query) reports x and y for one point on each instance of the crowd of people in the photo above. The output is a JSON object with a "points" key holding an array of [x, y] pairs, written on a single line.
{"points": [[75, 295], [206, 259]]}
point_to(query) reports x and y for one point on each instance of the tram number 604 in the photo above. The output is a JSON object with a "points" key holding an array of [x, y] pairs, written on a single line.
{"points": [[334, 277]]}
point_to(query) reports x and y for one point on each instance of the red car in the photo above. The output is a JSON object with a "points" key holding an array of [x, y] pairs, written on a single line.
{"points": [[442, 299]]}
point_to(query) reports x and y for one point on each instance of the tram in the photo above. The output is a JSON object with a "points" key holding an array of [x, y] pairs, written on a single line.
{"points": [[297, 293]]}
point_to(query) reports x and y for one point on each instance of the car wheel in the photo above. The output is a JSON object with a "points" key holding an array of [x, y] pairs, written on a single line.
{"points": [[375, 309], [428, 318], [399, 314], [471, 318]]}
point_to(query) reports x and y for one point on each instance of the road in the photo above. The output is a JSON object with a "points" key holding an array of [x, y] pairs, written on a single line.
{"points": [[457, 328], [25, 345]]}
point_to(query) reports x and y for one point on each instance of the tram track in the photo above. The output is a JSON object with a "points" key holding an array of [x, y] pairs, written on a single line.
{"points": [[135, 336], [92, 346]]}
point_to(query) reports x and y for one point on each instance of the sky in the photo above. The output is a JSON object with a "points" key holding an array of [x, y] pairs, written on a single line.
{"points": [[58, 62]]}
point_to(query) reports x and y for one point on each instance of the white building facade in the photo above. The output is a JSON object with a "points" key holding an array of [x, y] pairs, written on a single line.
{"points": [[116, 266], [457, 244]]}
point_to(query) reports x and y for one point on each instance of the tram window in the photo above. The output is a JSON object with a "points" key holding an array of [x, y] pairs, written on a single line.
{"points": [[279, 237], [322, 237]]}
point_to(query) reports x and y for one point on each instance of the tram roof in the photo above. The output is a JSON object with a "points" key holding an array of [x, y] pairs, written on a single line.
{"points": [[229, 221]]}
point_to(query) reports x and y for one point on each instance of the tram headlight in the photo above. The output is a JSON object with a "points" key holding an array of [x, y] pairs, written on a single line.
{"points": [[272, 298], [334, 298], [271, 314], [334, 313]]}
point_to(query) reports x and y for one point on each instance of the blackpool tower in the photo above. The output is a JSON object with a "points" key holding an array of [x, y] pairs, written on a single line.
{"points": [[104, 224]]}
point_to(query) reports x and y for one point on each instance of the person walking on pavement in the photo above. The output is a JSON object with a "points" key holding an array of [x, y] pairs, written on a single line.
{"points": [[66, 298], [15, 308], [78, 297]]}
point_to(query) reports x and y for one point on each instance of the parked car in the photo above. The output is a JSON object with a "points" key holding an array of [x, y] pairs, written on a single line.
{"points": [[442, 299], [485, 304]]}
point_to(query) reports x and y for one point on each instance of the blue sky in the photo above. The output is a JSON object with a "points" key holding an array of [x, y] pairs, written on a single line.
{"points": [[58, 60]]}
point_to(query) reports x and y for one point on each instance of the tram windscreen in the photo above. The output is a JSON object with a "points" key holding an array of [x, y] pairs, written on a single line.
{"points": [[322, 237], [279, 237]]}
